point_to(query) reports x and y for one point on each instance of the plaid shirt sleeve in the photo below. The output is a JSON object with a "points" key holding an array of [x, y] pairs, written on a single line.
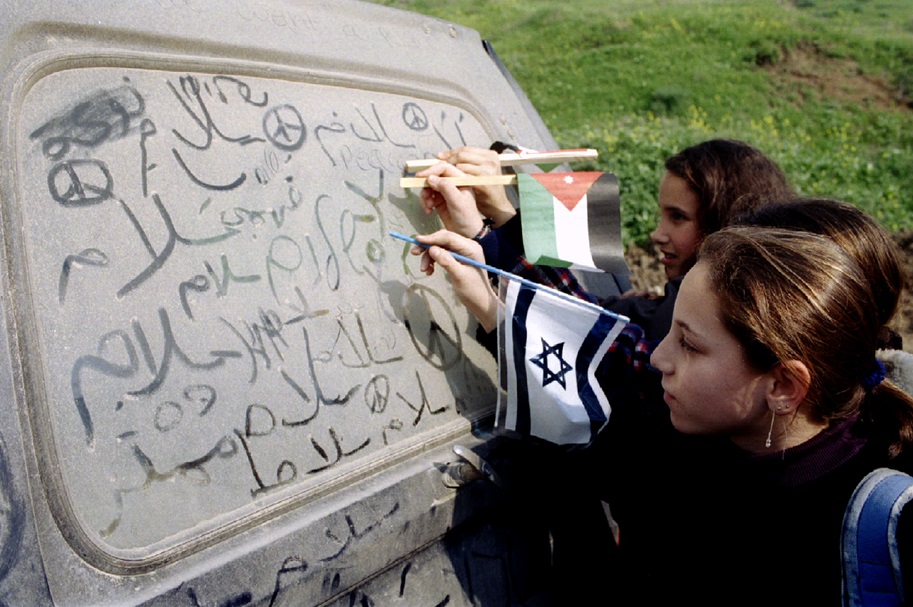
{"points": [[626, 373], [560, 279], [633, 350]]}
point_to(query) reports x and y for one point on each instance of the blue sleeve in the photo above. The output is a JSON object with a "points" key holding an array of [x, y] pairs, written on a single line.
{"points": [[503, 246]]}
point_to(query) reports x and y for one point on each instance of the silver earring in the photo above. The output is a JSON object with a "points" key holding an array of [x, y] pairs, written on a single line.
{"points": [[773, 416]]}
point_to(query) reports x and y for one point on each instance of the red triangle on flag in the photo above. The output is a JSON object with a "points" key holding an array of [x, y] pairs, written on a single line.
{"points": [[569, 188]]}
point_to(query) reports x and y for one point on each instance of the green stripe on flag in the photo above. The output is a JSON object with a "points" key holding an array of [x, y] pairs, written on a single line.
{"points": [[558, 233], [537, 219], [554, 262]]}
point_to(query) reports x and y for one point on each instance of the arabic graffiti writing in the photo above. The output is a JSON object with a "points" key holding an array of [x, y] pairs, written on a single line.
{"points": [[221, 318]]}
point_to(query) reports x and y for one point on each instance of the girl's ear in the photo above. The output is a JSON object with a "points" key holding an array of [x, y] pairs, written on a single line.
{"points": [[789, 386]]}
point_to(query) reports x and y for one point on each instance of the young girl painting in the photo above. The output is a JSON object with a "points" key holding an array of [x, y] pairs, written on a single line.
{"points": [[778, 410], [704, 187]]}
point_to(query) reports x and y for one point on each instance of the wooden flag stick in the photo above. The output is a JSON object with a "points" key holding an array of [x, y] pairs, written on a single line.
{"points": [[420, 182], [513, 158]]}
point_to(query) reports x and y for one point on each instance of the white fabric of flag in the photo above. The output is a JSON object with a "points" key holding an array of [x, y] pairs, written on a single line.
{"points": [[572, 220], [550, 346]]}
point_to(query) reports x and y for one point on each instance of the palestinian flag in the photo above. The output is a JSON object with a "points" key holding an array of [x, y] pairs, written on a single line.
{"points": [[572, 220]]}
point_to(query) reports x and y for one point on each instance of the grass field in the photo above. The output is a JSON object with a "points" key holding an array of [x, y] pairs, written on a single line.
{"points": [[825, 87]]}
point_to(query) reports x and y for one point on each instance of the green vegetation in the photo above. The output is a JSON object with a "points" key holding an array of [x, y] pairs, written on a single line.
{"points": [[825, 87]]}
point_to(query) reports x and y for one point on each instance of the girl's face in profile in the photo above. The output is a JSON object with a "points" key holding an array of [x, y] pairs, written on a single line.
{"points": [[709, 386], [678, 235]]}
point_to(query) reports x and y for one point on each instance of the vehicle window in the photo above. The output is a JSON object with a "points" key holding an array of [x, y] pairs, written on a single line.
{"points": [[220, 326]]}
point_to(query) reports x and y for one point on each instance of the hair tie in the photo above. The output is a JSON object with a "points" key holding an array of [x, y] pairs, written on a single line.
{"points": [[875, 377]]}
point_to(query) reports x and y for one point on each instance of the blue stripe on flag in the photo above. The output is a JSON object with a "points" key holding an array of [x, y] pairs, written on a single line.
{"points": [[585, 357], [521, 309]]}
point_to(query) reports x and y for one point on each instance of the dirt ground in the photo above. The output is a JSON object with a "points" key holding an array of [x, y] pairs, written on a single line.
{"points": [[647, 273]]}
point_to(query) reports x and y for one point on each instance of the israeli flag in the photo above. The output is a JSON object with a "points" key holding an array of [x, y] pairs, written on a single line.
{"points": [[550, 346]]}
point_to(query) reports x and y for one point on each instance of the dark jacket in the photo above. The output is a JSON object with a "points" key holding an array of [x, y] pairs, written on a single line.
{"points": [[653, 314], [702, 522]]}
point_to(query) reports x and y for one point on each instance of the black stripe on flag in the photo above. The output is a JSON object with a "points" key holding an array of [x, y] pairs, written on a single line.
{"points": [[585, 356], [521, 309]]}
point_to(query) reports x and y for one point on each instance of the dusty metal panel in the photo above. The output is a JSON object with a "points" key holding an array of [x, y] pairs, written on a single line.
{"points": [[222, 380]]}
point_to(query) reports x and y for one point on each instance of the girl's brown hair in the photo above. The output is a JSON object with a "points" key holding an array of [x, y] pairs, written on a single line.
{"points": [[729, 177], [855, 231], [793, 295]]}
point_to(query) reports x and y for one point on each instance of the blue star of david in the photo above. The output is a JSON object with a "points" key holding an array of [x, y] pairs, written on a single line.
{"points": [[541, 361]]}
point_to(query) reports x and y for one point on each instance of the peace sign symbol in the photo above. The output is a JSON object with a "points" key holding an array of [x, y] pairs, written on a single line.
{"points": [[284, 127], [80, 182], [414, 117]]}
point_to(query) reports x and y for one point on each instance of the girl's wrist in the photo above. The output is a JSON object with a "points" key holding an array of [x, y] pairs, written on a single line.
{"points": [[500, 217], [484, 230], [488, 315]]}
